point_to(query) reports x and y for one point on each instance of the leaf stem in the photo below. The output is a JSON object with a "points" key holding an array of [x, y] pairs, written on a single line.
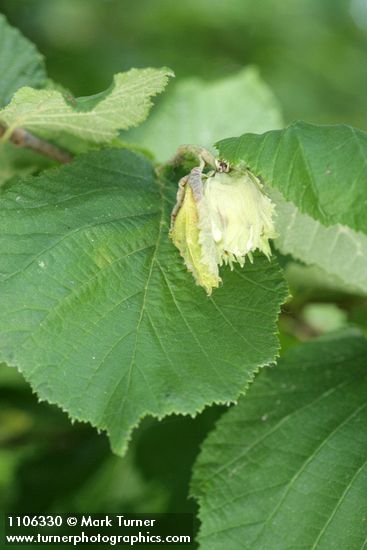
{"points": [[23, 138]]}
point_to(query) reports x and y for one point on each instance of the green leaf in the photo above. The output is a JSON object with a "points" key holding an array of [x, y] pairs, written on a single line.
{"points": [[20, 62], [200, 112], [321, 169], [95, 119], [338, 250], [287, 467], [98, 310]]}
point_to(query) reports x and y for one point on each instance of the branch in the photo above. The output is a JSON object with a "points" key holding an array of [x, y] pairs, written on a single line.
{"points": [[23, 138], [200, 153]]}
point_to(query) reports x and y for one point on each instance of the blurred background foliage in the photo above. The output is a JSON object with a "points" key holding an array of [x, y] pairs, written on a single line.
{"points": [[312, 54]]}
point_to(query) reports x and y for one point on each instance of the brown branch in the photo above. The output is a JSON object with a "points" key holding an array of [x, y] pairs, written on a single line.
{"points": [[23, 138]]}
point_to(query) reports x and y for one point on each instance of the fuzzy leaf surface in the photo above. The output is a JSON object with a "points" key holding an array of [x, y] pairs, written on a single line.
{"points": [[95, 119], [98, 310], [287, 467], [337, 249], [321, 169]]}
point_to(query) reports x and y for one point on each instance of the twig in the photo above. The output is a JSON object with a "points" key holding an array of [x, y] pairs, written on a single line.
{"points": [[23, 138], [195, 150], [200, 154]]}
